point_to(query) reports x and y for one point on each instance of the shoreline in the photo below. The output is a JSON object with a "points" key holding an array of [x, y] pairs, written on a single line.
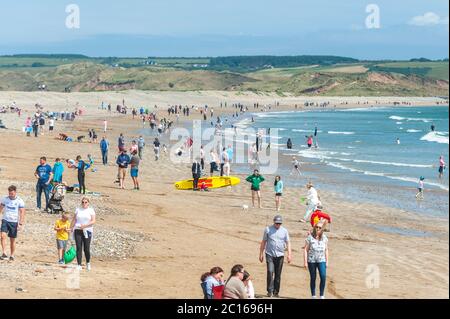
{"points": [[171, 223]]}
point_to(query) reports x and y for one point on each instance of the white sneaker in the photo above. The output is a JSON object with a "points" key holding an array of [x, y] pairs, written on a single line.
{"points": [[322, 297], [79, 267], [313, 297], [88, 266]]}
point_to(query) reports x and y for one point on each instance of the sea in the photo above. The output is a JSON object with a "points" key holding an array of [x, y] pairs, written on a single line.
{"points": [[374, 155]]}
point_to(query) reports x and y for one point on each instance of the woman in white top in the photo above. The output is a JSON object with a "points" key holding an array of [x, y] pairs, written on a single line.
{"points": [[82, 228], [248, 285], [313, 201]]}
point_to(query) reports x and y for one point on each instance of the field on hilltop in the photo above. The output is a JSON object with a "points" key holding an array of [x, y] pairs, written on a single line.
{"points": [[302, 75]]}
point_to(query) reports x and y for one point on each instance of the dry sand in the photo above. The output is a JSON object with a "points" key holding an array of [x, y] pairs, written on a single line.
{"points": [[156, 243]]}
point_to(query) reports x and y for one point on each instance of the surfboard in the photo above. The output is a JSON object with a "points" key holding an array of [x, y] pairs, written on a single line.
{"points": [[210, 182]]}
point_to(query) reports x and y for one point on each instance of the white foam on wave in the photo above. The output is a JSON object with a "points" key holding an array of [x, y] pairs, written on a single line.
{"points": [[413, 131], [399, 123], [305, 131], [328, 155], [400, 178], [341, 133], [397, 118], [438, 137]]}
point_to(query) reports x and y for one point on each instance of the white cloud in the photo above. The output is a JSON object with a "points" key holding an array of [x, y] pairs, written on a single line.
{"points": [[428, 19]]}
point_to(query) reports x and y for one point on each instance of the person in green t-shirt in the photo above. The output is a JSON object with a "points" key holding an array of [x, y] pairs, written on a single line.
{"points": [[256, 181]]}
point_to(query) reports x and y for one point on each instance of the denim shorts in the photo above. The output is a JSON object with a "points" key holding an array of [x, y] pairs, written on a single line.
{"points": [[61, 244], [9, 228]]}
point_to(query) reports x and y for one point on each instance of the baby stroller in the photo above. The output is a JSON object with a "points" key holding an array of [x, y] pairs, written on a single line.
{"points": [[55, 202]]}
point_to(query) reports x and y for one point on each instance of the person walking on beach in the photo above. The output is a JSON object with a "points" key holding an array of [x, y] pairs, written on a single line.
{"points": [[123, 160], [13, 219], [134, 171], [295, 166], [44, 176], [256, 179], [420, 187], [105, 126], [273, 245], [441, 166], [313, 201], [224, 163], [234, 287], [156, 148], [196, 173], [81, 167], [62, 228], [213, 162], [278, 186], [82, 227], [210, 280], [58, 170], [104, 147], [141, 145], [316, 258], [121, 142], [202, 158]]}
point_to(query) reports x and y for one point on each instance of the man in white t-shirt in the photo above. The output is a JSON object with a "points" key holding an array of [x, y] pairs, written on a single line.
{"points": [[13, 219]]}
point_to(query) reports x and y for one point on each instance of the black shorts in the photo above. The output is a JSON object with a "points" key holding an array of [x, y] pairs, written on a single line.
{"points": [[255, 189], [9, 228], [296, 166], [279, 194], [441, 169], [51, 128]]}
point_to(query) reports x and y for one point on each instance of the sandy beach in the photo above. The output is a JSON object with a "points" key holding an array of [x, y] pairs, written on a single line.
{"points": [[157, 242]]}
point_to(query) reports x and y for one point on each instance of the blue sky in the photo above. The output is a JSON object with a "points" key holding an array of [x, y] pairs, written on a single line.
{"points": [[409, 28]]}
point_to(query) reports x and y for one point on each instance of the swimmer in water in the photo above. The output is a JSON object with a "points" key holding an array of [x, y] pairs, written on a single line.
{"points": [[441, 166]]}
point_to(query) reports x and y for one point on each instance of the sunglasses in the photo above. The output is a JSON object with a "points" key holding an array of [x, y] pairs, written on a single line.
{"points": [[318, 227], [85, 202]]}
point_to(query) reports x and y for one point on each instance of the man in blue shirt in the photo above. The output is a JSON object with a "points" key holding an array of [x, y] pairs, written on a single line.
{"points": [[122, 161], [275, 241], [104, 147], [44, 176]]}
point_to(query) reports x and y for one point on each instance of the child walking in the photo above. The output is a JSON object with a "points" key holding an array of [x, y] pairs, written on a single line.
{"points": [[62, 228], [419, 194]]}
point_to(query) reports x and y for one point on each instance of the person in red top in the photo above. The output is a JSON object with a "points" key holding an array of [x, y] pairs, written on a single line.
{"points": [[318, 215]]}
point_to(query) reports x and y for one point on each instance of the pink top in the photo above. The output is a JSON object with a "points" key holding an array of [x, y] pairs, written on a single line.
{"points": [[441, 162]]}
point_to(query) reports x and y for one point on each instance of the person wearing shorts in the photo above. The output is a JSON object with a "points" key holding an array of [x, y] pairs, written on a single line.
{"points": [[256, 179], [278, 186], [134, 163], [123, 160], [213, 163], [13, 208], [62, 228]]}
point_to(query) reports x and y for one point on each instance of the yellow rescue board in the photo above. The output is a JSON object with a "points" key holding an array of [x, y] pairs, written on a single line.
{"points": [[210, 182]]}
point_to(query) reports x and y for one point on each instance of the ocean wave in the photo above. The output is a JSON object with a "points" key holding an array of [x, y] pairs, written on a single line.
{"points": [[397, 118], [328, 155], [413, 131], [438, 137], [305, 131], [341, 133], [399, 123], [400, 178]]}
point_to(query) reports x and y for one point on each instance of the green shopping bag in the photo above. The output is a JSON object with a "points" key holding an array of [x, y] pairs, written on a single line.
{"points": [[70, 255]]}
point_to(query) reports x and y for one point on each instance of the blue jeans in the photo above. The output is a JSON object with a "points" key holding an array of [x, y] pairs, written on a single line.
{"points": [[323, 276], [39, 189], [105, 157]]}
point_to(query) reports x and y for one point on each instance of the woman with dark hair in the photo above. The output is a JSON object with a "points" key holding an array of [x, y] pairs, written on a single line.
{"points": [[248, 285], [278, 186], [235, 288], [316, 257], [211, 279]]}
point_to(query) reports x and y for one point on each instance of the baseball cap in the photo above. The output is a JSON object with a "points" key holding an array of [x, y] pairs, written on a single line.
{"points": [[278, 219]]}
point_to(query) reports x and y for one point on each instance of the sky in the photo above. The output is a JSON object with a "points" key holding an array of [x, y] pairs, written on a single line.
{"points": [[407, 28]]}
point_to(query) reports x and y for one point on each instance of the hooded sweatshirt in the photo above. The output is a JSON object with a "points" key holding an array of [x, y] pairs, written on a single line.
{"points": [[58, 170]]}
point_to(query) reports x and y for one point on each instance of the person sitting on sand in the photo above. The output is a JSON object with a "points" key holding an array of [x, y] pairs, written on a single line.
{"points": [[234, 287], [210, 280], [247, 280]]}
